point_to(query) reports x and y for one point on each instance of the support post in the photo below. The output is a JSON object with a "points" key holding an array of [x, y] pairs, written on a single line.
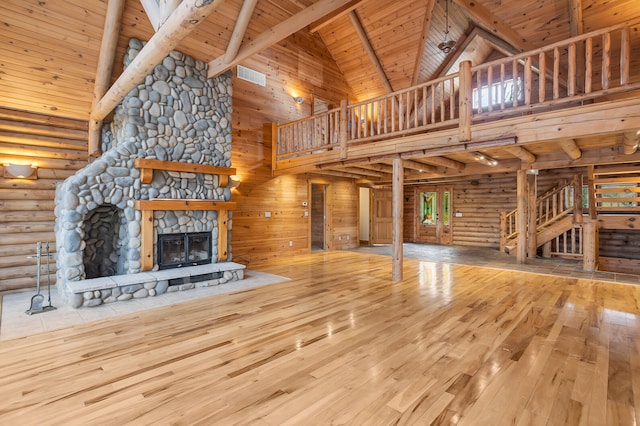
{"points": [[465, 101], [577, 199], [344, 128], [593, 214], [398, 195], [223, 240], [532, 228], [146, 243], [521, 217], [503, 232], [590, 248]]}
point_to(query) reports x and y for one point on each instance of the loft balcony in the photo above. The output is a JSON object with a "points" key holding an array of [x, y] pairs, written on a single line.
{"points": [[572, 103]]}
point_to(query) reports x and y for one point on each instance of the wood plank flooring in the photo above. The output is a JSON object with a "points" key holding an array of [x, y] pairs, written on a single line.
{"points": [[342, 344]]}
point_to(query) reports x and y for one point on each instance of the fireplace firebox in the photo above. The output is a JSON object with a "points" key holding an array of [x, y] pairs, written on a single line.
{"points": [[184, 249]]}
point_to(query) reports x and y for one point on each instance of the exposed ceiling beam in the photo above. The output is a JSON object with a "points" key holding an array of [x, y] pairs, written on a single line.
{"points": [[238, 31], [159, 11], [338, 173], [378, 167], [363, 171], [576, 23], [106, 58], [426, 25], [180, 24], [570, 148], [482, 16], [152, 9], [277, 33], [522, 153], [377, 65], [421, 167], [444, 162], [630, 142], [336, 14]]}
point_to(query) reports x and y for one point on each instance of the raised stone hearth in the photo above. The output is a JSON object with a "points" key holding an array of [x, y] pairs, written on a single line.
{"points": [[176, 116]]}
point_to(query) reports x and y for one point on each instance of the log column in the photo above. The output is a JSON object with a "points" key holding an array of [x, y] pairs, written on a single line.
{"points": [[521, 218], [532, 193], [398, 210], [590, 245]]}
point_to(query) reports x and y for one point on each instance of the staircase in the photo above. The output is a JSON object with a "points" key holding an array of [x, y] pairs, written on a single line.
{"points": [[556, 225]]}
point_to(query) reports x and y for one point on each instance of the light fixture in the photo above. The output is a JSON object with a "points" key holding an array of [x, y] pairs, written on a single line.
{"points": [[447, 45], [485, 159], [235, 182], [298, 99], [21, 171]]}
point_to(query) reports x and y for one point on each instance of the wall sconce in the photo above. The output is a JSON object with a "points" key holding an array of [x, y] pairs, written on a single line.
{"points": [[485, 159], [298, 99], [235, 182], [21, 171]]}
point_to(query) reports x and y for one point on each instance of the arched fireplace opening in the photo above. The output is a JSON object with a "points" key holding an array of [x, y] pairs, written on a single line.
{"points": [[104, 230]]}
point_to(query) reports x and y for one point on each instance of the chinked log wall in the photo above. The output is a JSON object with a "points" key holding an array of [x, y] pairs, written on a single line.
{"points": [[58, 148]]}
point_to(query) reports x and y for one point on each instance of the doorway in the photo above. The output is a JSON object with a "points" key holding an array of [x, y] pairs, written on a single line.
{"points": [[318, 216], [433, 208], [381, 216]]}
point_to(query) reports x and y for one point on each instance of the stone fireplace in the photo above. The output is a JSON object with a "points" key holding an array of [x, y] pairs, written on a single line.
{"points": [[177, 118]]}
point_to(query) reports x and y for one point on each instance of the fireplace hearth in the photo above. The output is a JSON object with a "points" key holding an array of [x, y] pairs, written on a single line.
{"points": [[184, 249]]}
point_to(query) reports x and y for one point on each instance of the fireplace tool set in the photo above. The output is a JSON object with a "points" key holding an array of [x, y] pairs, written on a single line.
{"points": [[38, 299]]}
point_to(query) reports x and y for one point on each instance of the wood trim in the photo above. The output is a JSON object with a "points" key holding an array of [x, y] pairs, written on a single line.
{"points": [[147, 166], [146, 239], [223, 235], [183, 204]]}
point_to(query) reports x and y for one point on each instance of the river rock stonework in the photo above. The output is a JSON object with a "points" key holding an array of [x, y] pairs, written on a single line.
{"points": [[176, 114]]}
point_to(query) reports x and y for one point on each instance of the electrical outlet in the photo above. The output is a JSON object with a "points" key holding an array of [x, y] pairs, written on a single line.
{"points": [[348, 237], [306, 213], [290, 243], [339, 237], [267, 214]]}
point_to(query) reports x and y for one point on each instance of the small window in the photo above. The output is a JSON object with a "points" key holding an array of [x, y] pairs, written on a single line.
{"points": [[428, 208], [445, 207], [496, 93]]}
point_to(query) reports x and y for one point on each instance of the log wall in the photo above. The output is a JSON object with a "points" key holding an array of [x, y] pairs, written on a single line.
{"points": [[58, 147]]}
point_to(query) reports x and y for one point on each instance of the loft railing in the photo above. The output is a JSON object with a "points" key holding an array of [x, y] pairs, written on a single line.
{"points": [[563, 74]]}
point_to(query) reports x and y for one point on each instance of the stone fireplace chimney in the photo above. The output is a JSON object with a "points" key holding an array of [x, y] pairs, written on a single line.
{"points": [[176, 115]]}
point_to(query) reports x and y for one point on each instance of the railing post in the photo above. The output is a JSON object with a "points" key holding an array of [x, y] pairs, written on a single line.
{"points": [[521, 216], [465, 101], [577, 199], [590, 241], [503, 231], [344, 128]]}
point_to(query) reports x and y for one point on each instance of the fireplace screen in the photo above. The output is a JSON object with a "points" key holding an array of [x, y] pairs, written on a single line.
{"points": [[176, 250]]}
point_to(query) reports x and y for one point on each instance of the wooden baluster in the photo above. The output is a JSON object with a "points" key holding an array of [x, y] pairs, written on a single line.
{"points": [[514, 89], [542, 77], [442, 104], [503, 86], [434, 92], [479, 90], [571, 78], [407, 114], [556, 73], [588, 72], [415, 108], [393, 113], [379, 118], [344, 128], [527, 80], [452, 97], [503, 231], [373, 118], [490, 100], [606, 60], [386, 115], [573, 240], [365, 118], [424, 105], [625, 56]]}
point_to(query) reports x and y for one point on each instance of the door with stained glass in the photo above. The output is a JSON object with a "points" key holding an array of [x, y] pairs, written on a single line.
{"points": [[433, 224]]}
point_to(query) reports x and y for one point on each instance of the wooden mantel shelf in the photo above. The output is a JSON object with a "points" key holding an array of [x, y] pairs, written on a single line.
{"points": [[183, 204], [147, 166], [147, 207]]}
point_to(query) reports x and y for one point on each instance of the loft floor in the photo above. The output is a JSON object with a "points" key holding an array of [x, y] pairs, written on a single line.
{"points": [[341, 343]]}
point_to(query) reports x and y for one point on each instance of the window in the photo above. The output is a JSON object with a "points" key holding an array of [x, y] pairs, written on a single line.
{"points": [[496, 93], [428, 208], [445, 208], [613, 195]]}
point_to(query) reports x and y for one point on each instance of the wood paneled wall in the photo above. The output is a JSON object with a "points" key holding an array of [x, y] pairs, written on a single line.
{"points": [[58, 148], [300, 66]]}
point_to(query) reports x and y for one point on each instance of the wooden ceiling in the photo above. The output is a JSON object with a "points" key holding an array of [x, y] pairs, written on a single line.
{"points": [[50, 49]]}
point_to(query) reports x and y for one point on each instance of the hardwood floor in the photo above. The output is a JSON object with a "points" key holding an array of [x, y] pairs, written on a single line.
{"points": [[342, 344]]}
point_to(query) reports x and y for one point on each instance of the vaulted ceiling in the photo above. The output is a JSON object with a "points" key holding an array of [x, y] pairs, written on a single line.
{"points": [[50, 49]]}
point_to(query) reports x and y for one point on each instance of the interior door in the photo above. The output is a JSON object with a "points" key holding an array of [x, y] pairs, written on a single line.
{"points": [[433, 224], [381, 216]]}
